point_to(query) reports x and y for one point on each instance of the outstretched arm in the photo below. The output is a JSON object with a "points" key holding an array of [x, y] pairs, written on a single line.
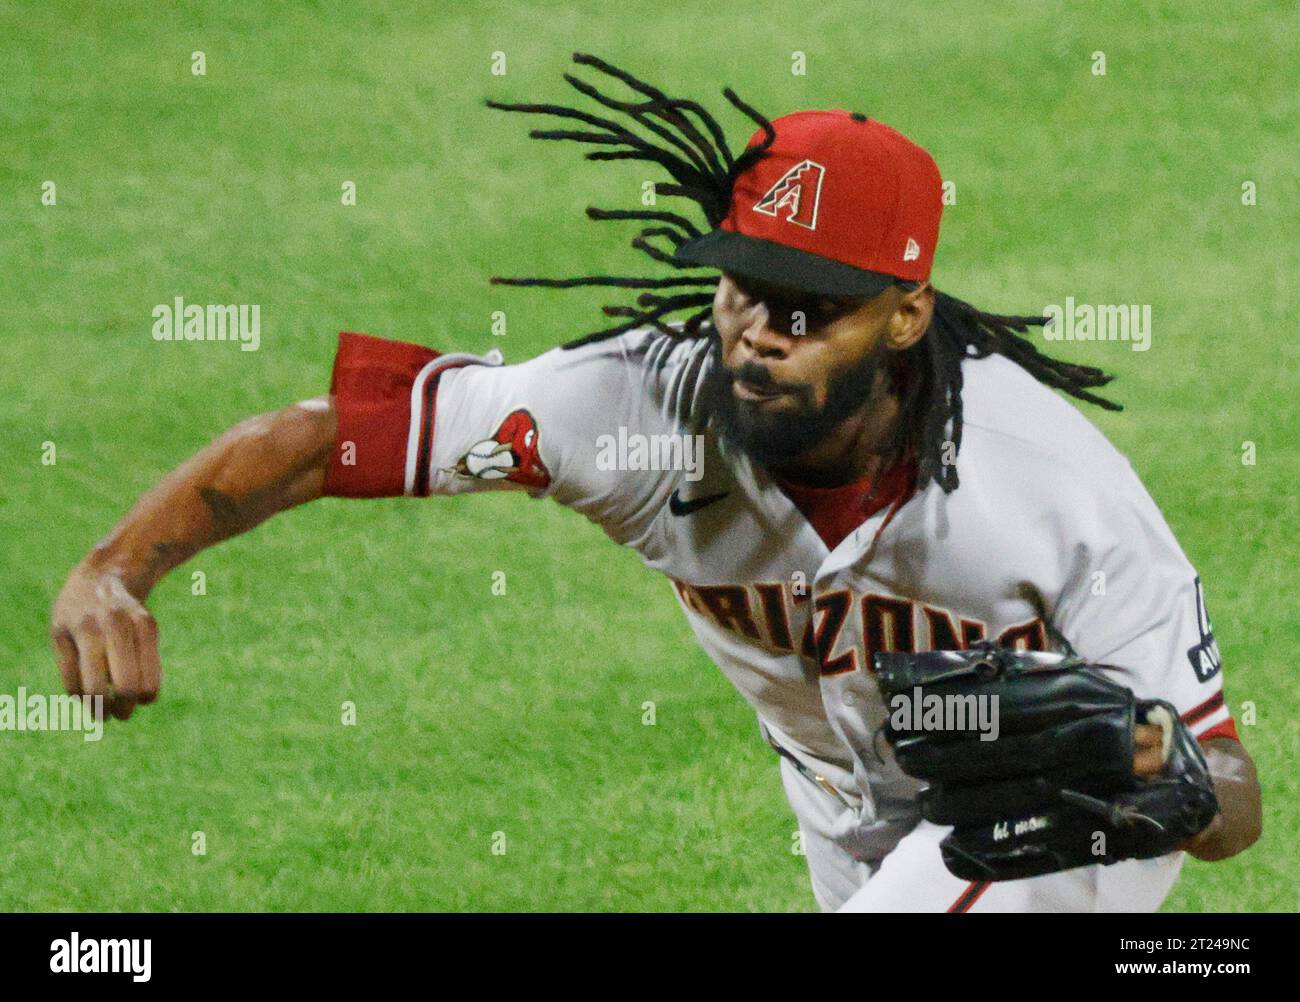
{"points": [[104, 637]]}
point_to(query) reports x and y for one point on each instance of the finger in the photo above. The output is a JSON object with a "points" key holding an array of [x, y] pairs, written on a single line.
{"points": [[1148, 736], [123, 666], [66, 652], [1148, 762], [150, 663], [92, 663], [1148, 750]]}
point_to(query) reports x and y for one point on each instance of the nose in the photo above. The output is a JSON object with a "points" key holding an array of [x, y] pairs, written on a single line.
{"points": [[762, 339]]}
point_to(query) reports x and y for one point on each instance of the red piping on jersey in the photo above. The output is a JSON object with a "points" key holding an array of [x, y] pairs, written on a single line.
{"points": [[1223, 729], [1204, 710], [966, 900], [424, 450]]}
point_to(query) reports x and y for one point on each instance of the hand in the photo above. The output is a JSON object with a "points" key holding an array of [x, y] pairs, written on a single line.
{"points": [[106, 641]]}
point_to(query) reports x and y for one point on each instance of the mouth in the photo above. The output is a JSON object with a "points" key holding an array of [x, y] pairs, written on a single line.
{"points": [[755, 393]]}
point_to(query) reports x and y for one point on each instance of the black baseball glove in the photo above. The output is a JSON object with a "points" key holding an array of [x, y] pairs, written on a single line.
{"points": [[1055, 788]]}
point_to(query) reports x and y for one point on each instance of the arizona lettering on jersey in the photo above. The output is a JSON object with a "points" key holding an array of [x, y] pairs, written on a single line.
{"points": [[764, 612]]}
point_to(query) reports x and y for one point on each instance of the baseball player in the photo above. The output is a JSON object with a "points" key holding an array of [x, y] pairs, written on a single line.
{"points": [[880, 470]]}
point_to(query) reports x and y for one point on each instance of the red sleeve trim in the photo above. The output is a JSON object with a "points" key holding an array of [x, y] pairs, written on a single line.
{"points": [[1223, 729], [1226, 729], [371, 386]]}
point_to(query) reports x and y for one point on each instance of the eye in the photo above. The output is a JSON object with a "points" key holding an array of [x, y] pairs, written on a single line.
{"points": [[819, 312]]}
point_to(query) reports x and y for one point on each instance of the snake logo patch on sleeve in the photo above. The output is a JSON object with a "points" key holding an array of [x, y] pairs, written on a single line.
{"points": [[510, 454]]}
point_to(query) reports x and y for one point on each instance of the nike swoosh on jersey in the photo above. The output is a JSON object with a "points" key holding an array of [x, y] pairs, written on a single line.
{"points": [[678, 506]]}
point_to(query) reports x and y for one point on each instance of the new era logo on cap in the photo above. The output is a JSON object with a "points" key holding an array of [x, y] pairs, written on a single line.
{"points": [[840, 204]]}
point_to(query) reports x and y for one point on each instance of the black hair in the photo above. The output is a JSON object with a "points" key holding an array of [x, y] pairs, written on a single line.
{"points": [[704, 170]]}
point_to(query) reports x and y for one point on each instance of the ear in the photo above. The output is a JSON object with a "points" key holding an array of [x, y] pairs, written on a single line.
{"points": [[911, 318]]}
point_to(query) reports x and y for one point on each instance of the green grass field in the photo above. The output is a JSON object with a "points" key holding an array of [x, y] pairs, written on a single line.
{"points": [[1123, 188]]}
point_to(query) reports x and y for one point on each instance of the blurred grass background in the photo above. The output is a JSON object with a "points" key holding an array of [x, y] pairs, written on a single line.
{"points": [[1124, 188]]}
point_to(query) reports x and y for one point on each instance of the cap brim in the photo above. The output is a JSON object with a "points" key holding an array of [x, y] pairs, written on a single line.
{"points": [[766, 261]]}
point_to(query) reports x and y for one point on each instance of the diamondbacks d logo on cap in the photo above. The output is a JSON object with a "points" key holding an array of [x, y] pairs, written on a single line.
{"points": [[797, 192], [912, 251]]}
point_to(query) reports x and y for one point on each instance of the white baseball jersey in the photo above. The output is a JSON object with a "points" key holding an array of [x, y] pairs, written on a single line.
{"points": [[1049, 538]]}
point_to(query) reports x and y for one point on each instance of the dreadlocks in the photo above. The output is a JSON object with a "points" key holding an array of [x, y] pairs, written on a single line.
{"points": [[704, 170]]}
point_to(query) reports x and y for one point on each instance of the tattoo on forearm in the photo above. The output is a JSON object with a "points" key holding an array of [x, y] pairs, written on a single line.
{"points": [[225, 509]]}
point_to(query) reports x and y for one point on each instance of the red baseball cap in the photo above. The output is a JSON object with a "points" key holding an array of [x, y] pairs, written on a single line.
{"points": [[841, 205]]}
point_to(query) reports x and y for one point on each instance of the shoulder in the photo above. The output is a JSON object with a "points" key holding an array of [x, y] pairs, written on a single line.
{"points": [[1030, 459], [1011, 418]]}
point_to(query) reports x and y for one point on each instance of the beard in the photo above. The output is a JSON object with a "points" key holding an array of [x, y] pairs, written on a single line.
{"points": [[776, 437]]}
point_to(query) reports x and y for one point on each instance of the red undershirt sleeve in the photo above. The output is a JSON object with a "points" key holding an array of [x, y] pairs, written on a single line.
{"points": [[372, 388]]}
